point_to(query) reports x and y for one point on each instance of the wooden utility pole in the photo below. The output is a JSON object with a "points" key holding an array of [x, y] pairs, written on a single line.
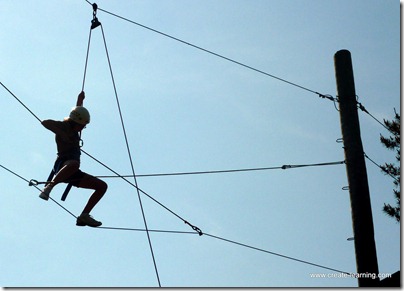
{"points": [[365, 247]]}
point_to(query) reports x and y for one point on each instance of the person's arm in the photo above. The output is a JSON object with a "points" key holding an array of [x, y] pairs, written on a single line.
{"points": [[56, 127], [80, 99]]}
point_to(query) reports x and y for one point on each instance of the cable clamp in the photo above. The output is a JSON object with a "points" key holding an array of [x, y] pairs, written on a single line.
{"points": [[329, 97], [284, 167], [33, 182], [95, 23], [197, 229], [361, 107]]}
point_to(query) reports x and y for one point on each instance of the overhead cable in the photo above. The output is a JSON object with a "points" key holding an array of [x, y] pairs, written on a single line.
{"points": [[327, 96]]}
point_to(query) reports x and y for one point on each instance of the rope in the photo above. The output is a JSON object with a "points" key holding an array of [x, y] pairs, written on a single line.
{"points": [[327, 96], [276, 254], [361, 107], [284, 167], [20, 102], [85, 66], [143, 230], [130, 157], [185, 232]]}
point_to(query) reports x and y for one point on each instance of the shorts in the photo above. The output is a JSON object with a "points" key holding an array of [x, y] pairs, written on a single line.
{"points": [[74, 179]]}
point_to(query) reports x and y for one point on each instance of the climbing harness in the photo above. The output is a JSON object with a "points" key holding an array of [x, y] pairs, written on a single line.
{"points": [[56, 168]]}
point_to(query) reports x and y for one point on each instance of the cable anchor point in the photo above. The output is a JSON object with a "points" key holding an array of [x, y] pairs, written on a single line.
{"points": [[197, 229], [95, 23], [361, 107]]}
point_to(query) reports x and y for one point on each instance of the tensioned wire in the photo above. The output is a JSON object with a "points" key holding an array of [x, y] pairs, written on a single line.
{"points": [[133, 229], [131, 160], [183, 232], [284, 167], [324, 96], [127, 144]]}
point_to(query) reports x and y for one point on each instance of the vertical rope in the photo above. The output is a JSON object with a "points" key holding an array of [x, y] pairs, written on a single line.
{"points": [[130, 158], [85, 66]]}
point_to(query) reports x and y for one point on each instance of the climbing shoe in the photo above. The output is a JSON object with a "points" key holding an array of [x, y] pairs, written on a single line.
{"points": [[86, 219], [45, 193]]}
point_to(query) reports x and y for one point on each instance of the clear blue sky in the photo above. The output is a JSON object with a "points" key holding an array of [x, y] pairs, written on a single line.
{"points": [[186, 110]]}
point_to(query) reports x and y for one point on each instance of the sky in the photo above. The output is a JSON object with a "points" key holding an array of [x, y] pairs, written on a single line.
{"points": [[186, 110]]}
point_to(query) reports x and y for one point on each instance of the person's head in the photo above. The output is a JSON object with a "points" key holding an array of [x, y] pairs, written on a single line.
{"points": [[79, 117]]}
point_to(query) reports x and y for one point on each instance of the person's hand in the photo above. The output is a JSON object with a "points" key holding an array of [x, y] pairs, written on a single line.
{"points": [[80, 98]]}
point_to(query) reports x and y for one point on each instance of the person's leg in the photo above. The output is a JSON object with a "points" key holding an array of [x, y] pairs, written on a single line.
{"points": [[68, 169], [100, 187]]}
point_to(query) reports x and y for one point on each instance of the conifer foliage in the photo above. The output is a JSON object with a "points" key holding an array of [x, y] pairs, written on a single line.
{"points": [[393, 143]]}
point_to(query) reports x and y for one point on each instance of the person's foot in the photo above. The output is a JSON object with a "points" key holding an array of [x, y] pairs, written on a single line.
{"points": [[86, 219], [45, 193]]}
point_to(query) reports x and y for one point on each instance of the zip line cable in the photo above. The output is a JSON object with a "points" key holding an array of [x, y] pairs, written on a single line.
{"points": [[193, 233], [130, 157], [324, 96], [284, 167], [216, 54]]}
